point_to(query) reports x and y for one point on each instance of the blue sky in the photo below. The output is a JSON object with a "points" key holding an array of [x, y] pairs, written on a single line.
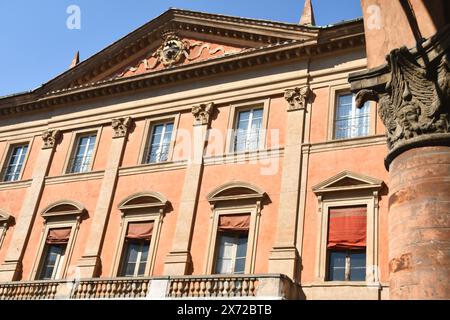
{"points": [[36, 44]]}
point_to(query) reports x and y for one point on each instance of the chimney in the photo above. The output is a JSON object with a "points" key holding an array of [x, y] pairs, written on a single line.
{"points": [[307, 18]]}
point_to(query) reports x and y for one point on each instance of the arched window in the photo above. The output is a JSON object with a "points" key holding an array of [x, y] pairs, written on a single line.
{"points": [[142, 216], [62, 220], [236, 208]]}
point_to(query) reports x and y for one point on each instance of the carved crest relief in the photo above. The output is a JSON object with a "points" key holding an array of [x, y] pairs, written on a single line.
{"points": [[202, 113], [51, 138], [121, 126], [297, 97]]}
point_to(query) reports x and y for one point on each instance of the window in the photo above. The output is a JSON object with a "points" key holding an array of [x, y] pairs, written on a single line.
{"points": [[82, 157], [347, 243], [232, 252], [142, 215], [347, 238], [347, 265], [158, 150], [350, 122], [15, 162], [136, 248], [54, 252], [248, 130]]}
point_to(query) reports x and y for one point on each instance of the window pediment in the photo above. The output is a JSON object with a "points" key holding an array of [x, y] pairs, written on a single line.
{"points": [[63, 208], [236, 191], [144, 200], [347, 180]]}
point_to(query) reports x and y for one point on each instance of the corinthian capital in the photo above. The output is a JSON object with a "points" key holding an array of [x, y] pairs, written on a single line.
{"points": [[121, 126], [51, 138], [202, 113], [297, 97]]}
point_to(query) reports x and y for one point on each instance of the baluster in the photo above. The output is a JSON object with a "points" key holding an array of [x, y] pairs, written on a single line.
{"points": [[203, 288]]}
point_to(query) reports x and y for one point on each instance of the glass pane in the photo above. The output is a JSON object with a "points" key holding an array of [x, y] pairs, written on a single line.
{"points": [[15, 163], [160, 143], [240, 265], [350, 121], [144, 256], [358, 266], [53, 255], [83, 155], [337, 266], [242, 247], [223, 266]]}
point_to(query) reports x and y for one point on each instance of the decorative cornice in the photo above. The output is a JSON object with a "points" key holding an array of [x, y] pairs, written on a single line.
{"points": [[413, 92], [202, 113], [51, 138], [121, 127], [297, 97], [283, 52]]}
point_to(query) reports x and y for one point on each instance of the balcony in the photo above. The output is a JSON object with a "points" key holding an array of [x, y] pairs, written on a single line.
{"points": [[272, 286]]}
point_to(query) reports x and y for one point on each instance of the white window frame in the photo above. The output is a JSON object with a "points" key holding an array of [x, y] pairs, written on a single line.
{"points": [[6, 158], [234, 251], [334, 92], [235, 110], [147, 138], [73, 146]]}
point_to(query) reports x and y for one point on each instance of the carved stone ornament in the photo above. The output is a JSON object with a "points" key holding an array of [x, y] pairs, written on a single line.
{"points": [[51, 138], [414, 98], [202, 113], [172, 50], [121, 127], [297, 98]]}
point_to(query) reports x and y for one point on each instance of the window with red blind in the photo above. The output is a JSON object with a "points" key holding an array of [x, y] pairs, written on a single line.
{"points": [[347, 243], [54, 252]]}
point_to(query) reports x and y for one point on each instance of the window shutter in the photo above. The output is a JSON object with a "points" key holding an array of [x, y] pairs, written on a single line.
{"points": [[234, 223], [140, 230], [58, 236], [347, 228]]}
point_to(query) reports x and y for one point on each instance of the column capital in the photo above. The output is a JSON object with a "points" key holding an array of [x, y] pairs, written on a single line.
{"points": [[121, 126], [297, 97], [413, 93], [202, 113], [51, 138]]}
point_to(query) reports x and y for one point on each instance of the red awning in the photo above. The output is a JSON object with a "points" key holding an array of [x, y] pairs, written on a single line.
{"points": [[58, 236], [140, 230], [347, 228], [234, 222]]}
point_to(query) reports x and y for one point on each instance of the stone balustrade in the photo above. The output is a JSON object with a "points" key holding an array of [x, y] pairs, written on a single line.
{"points": [[173, 287]]}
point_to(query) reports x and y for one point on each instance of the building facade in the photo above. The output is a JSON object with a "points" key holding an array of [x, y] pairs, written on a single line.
{"points": [[201, 155]]}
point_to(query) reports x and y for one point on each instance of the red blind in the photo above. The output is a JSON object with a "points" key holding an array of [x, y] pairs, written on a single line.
{"points": [[347, 228], [140, 230], [58, 236], [234, 222]]}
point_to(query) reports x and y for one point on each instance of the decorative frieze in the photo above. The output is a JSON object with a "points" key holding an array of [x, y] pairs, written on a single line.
{"points": [[51, 138], [202, 113], [121, 126], [297, 97], [413, 91]]}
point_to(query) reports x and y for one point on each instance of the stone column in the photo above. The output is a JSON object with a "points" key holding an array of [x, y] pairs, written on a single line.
{"points": [[284, 255], [90, 263], [11, 269], [413, 91], [178, 261]]}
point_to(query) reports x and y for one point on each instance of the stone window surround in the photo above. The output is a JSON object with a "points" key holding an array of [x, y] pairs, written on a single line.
{"points": [[154, 212], [55, 220], [76, 134], [146, 138], [364, 195], [5, 219], [334, 92], [218, 208], [7, 155], [234, 110]]}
